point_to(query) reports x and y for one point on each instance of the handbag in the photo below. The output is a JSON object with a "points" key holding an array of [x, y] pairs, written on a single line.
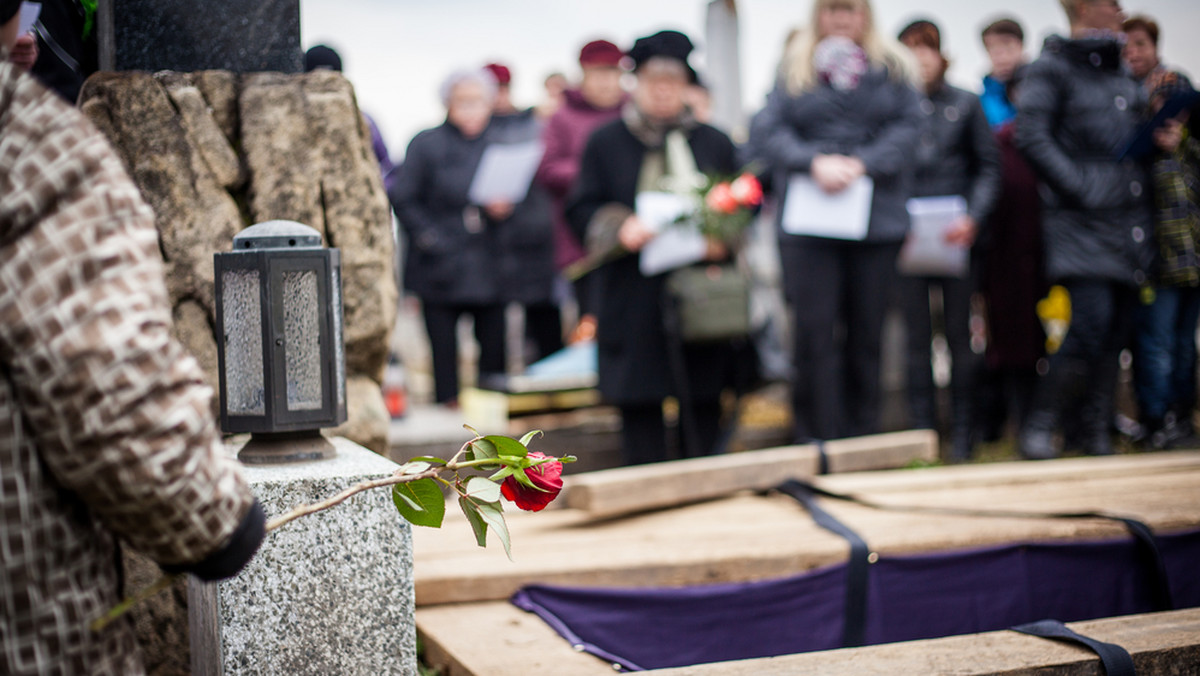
{"points": [[711, 303]]}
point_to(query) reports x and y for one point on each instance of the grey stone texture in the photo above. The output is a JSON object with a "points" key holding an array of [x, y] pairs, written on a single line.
{"points": [[328, 593], [214, 152], [232, 35]]}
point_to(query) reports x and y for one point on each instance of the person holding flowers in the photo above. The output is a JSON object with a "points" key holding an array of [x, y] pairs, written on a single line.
{"points": [[656, 145]]}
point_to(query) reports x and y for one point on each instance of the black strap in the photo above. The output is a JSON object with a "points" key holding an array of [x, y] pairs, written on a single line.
{"points": [[822, 457], [677, 361], [1145, 542], [1116, 660], [854, 625]]}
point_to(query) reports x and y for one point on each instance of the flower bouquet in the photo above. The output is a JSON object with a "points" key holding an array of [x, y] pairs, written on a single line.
{"points": [[726, 207]]}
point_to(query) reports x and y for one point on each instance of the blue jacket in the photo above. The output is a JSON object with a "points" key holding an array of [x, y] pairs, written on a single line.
{"points": [[996, 105]]}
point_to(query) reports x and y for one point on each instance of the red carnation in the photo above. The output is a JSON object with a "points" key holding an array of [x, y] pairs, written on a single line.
{"points": [[547, 477], [747, 190], [721, 200]]}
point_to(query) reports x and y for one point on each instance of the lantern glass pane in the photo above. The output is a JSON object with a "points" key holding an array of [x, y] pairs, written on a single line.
{"points": [[302, 340], [242, 309], [339, 344]]}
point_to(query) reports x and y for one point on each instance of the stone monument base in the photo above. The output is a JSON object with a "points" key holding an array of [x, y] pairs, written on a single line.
{"points": [[328, 593]]}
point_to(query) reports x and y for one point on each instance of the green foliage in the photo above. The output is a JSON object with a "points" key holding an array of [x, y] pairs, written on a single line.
{"points": [[421, 503]]}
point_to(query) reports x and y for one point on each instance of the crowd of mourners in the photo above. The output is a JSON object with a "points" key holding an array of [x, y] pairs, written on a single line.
{"points": [[1077, 178]]}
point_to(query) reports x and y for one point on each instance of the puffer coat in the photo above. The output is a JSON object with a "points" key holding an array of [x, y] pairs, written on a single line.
{"points": [[1078, 109]]}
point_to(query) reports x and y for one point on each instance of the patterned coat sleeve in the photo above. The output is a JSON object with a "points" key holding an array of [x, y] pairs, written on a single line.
{"points": [[118, 411]]}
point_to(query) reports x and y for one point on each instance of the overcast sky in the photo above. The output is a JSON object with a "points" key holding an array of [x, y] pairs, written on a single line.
{"points": [[397, 51]]}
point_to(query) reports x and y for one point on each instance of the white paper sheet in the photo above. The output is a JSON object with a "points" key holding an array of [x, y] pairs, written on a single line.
{"points": [[505, 172], [925, 252], [29, 16], [808, 210], [675, 245]]}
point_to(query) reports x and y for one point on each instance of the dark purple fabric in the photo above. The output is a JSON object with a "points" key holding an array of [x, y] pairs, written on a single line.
{"points": [[909, 598]]}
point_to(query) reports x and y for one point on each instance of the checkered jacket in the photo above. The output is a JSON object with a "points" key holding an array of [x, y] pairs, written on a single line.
{"points": [[105, 426]]}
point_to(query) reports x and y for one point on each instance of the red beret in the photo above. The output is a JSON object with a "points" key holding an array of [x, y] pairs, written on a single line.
{"points": [[502, 73], [600, 53]]}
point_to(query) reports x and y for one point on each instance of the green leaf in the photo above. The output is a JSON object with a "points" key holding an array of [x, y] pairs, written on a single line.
{"points": [[493, 515], [428, 458], [482, 449], [414, 467], [503, 474], [420, 502], [507, 447], [530, 436], [480, 489], [524, 480], [477, 524]]}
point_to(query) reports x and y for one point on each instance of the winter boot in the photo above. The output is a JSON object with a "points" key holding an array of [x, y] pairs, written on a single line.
{"points": [[1055, 391]]}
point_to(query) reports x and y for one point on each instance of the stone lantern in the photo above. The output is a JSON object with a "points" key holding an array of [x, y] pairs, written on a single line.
{"points": [[281, 354]]}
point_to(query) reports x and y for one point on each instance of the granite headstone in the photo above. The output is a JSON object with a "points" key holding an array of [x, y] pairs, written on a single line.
{"points": [[189, 36]]}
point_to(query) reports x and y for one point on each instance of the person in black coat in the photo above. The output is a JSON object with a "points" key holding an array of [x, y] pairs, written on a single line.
{"points": [[845, 108], [1079, 106], [635, 371], [957, 156], [452, 258]]}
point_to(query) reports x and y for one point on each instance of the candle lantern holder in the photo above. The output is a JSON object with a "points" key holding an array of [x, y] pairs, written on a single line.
{"points": [[281, 353]]}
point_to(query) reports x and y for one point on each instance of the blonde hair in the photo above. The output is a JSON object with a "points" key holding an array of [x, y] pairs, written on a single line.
{"points": [[798, 72]]}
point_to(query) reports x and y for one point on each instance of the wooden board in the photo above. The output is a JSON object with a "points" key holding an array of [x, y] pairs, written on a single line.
{"points": [[627, 490], [499, 639], [753, 537]]}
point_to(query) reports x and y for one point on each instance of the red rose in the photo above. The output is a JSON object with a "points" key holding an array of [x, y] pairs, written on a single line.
{"points": [[747, 190], [721, 200], [547, 477]]}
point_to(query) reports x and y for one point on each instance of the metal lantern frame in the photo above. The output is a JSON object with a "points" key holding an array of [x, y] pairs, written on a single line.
{"points": [[274, 254]]}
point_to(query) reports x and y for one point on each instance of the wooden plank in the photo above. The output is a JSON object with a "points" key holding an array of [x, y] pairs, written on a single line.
{"points": [[627, 490], [517, 643], [750, 537]]}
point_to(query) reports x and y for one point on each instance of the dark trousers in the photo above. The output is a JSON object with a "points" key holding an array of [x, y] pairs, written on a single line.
{"points": [[644, 432], [839, 292], [543, 326], [956, 321], [1165, 365], [1084, 370], [441, 322]]}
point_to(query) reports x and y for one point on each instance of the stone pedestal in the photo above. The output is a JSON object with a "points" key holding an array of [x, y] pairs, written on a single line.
{"points": [[329, 593]]}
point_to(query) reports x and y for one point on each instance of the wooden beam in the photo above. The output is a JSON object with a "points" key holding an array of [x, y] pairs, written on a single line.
{"points": [[517, 643], [628, 490]]}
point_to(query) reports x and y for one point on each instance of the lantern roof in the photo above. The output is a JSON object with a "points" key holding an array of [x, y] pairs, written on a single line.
{"points": [[277, 235]]}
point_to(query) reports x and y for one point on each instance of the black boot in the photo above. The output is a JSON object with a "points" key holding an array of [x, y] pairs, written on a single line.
{"points": [[1054, 393], [962, 427]]}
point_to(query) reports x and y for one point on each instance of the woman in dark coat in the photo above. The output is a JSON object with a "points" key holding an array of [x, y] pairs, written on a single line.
{"points": [[845, 108], [956, 156], [634, 352], [1078, 108], [451, 261]]}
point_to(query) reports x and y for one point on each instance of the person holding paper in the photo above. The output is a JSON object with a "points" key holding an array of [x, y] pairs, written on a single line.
{"points": [[845, 111], [1079, 107], [1165, 355], [451, 257], [656, 146], [526, 234], [956, 156]]}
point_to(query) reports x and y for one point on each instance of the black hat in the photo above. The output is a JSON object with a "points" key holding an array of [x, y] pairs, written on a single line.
{"points": [[9, 9], [320, 56], [667, 44]]}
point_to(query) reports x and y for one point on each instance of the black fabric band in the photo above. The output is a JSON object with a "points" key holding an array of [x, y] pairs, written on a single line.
{"points": [[1144, 540], [822, 457], [1116, 660], [231, 558], [855, 620]]}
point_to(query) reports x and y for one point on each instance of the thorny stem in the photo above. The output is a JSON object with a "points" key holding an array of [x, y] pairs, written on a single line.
{"points": [[165, 581]]}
